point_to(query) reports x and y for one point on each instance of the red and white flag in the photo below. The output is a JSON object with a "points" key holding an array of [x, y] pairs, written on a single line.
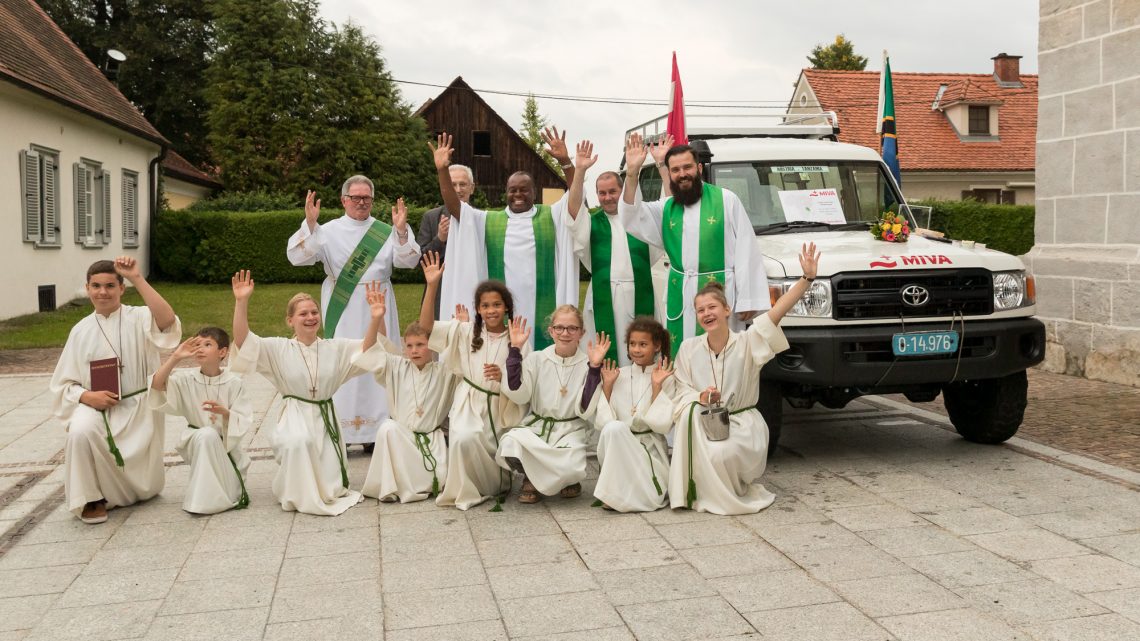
{"points": [[675, 126]]}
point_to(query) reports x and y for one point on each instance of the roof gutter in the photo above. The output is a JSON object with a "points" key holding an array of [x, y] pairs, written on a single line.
{"points": [[153, 198]]}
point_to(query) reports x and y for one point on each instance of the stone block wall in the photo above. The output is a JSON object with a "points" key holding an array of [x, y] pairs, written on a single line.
{"points": [[1087, 255]]}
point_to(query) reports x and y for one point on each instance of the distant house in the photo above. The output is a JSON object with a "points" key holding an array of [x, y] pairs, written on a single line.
{"points": [[960, 135], [183, 184], [84, 186], [486, 143]]}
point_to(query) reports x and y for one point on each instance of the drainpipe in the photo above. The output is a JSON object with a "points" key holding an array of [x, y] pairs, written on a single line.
{"points": [[152, 198]]}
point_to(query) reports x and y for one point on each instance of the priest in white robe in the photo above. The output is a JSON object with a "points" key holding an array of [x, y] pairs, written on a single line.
{"points": [[355, 249], [113, 451], [706, 235], [527, 246]]}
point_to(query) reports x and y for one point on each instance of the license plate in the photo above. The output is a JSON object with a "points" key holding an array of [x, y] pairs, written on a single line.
{"points": [[924, 343]]}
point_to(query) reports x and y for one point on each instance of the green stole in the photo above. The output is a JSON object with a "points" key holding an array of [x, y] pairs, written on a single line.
{"points": [[353, 271], [545, 270], [601, 250], [710, 255]]}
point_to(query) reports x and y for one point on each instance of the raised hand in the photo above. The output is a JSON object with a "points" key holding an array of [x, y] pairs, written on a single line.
{"points": [[556, 144], [128, 268], [660, 148], [433, 269], [187, 349], [312, 209], [610, 372], [635, 152], [377, 298], [443, 229], [662, 371], [597, 351], [519, 332], [585, 157], [461, 314], [441, 150], [400, 216], [809, 260], [242, 283]]}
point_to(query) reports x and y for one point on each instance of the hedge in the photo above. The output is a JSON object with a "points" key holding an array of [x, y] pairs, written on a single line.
{"points": [[208, 247], [1007, 228]]}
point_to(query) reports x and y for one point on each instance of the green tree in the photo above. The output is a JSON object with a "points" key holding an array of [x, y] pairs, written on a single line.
{"points": [[297, 104], [531, 132], [839, 55], [167, 44]]}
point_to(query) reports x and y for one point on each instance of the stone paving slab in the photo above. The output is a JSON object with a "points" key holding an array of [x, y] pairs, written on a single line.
{"points": [[886, 526]]}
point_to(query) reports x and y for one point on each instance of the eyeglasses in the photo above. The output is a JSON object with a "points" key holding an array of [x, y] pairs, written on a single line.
{"points": [[360, 200], [564, 329]]}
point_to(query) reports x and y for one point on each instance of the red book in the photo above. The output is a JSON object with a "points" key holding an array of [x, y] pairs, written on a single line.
{"points": [[105, 375]]}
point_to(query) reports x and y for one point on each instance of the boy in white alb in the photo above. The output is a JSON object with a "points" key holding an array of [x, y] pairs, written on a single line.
{"points": [[218, 414]]}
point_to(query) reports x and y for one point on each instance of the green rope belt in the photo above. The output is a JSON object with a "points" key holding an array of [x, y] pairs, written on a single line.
{"points": [[547, 424], [107, 426], [504, 478], [243, 501], [652, 472], [691, 496], [423, 444], [332, 428]]}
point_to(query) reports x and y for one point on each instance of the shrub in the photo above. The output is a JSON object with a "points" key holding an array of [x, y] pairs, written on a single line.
{"points": [[209, 246], [1007, 228], [246, 201]]}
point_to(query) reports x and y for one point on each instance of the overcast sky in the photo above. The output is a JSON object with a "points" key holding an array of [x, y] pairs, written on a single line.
{"points": [[729, 51]]}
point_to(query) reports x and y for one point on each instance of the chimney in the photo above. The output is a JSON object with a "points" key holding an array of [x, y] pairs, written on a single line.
{"points": [[1007, 70]]}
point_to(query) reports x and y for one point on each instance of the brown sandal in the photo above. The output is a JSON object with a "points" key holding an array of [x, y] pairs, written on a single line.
{"points": [[529, 493], [571, 491]]}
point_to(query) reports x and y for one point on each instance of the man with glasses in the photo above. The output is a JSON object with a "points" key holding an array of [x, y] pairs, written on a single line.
{"points": [[355, 249], [436, 224]]}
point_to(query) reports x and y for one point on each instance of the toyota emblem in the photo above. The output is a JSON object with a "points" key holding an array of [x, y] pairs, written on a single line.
{"points": [[915, 295]]}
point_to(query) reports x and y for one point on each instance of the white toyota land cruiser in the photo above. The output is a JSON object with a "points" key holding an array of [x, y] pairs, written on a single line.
{"points": [[922, 317]]}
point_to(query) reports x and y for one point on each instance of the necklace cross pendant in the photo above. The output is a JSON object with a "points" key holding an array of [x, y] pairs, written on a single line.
{"points": [[419, 411], [313, 392]]}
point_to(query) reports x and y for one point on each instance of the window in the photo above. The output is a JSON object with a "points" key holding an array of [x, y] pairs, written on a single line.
{"points": [[991, 196], [39, 186], [92, 204], [979, 121], [130, 205], [481, 143]]}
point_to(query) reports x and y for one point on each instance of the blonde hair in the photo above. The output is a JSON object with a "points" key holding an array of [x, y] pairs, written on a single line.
{"points": [[714, 289], [296, 300], [566, 309], [415, 329]]}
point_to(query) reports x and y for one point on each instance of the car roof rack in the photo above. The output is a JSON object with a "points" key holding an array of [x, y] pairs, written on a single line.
{"points": [[712, 125]]}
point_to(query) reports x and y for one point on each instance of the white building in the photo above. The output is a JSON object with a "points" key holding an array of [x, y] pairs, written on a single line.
{"points": [[79, 183]]}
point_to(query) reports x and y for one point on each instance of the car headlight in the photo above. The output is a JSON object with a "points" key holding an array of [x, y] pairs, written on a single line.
{"points": [[1013, 290], [815, 303]]}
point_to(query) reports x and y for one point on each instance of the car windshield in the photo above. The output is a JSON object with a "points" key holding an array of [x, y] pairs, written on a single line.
{"points": [[816, 195]]}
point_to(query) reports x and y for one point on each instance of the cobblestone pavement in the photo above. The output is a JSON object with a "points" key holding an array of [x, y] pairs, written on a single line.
{"points": [[887, 526]]}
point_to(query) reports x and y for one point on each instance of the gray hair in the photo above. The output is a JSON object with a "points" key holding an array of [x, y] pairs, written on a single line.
{"points": [[357, 180], [466, 170]]}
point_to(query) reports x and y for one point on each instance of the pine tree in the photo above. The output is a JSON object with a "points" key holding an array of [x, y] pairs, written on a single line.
{"points": [[839, 55], [531, 132]]}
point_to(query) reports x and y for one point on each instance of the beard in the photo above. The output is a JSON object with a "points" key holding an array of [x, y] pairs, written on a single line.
{"points": [[689, 196]]}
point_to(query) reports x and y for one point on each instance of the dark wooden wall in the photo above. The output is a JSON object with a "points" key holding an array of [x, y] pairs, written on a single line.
{"points": [[461, 112]]}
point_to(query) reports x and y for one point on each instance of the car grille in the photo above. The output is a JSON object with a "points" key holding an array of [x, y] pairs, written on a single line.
{"points": [[865, 295]]}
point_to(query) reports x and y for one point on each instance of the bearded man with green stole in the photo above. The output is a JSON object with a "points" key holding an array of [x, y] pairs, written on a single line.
{"points": [[527, 246], [706, 235], [623, 281], [355, 249]]}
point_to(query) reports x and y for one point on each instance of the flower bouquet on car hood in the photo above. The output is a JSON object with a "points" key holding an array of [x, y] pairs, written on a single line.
{"points": [[891, 228]]}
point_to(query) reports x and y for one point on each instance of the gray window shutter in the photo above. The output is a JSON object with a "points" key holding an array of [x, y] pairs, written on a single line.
{"points": [[106, 193], [30, 186], [82, 203], [50, 170], [130, 210]]}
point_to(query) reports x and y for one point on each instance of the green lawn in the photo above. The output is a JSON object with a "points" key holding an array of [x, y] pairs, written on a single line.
{"points": [[196, 305]]}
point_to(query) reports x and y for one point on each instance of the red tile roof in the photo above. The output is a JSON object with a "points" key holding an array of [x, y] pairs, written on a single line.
{"points": [[175, 166], [926, 139], [36, 55]]}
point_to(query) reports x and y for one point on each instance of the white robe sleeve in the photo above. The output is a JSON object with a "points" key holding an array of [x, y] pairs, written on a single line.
{"points": [[253, 355], [68, 378], [377, 361], [566, 259], [406, 256], [522, 395], [305, 247], [749, 278], [240, 421], [659, 416], [580, 230], [347, 349], [466, 260], [642, 220], [174, 399], [162, 340], [764, 339], [685, 392]]}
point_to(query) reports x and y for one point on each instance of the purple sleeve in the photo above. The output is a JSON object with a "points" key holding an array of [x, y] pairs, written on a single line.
{"points": [[514, 367], [593, 380]]}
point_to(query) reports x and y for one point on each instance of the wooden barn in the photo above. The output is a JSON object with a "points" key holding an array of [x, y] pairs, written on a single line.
{"points": [[486, 143]]}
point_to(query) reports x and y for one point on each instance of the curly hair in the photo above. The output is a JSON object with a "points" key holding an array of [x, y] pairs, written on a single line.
{"points": [[487, 287], [657, 333]]}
